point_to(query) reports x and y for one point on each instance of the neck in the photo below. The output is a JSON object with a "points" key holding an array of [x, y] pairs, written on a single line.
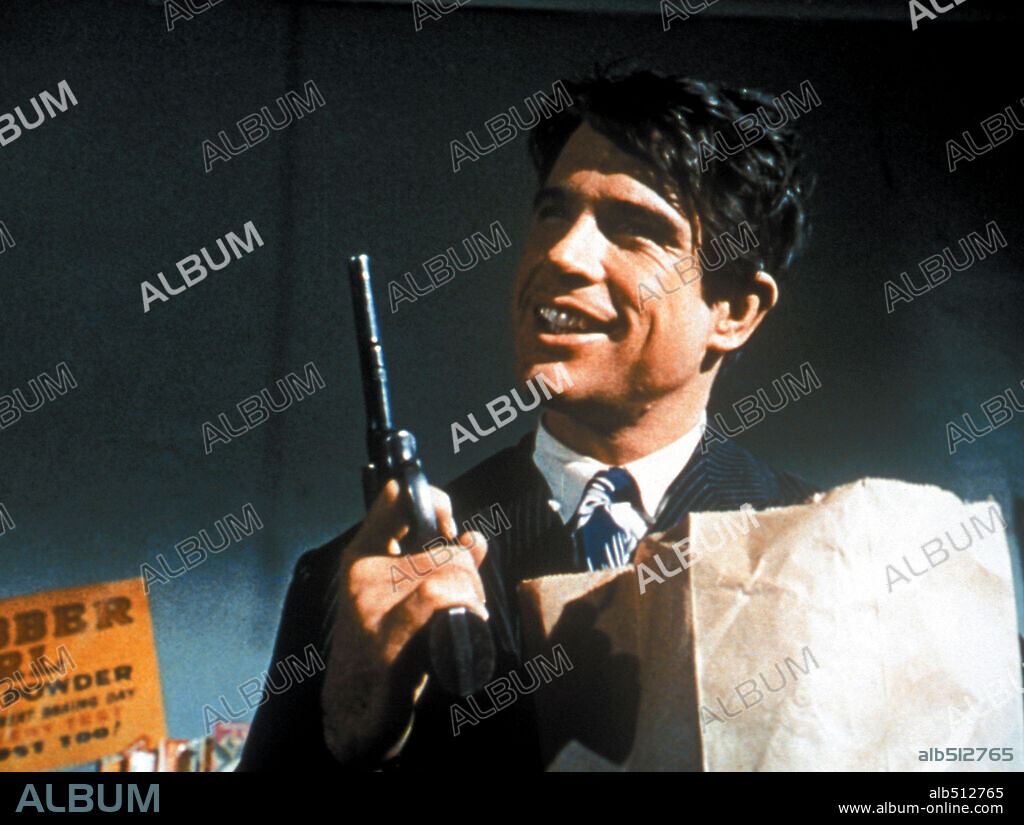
{"points": [[655, 428]]}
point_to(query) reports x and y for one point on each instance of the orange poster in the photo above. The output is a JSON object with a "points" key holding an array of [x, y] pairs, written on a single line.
{"points": [[78, 676]]}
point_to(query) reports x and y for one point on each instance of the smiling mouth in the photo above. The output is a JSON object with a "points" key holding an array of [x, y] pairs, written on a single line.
{"points": [[566, 321]]}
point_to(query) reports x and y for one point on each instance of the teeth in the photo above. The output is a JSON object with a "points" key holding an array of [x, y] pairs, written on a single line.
{"points": [[558, 320]]}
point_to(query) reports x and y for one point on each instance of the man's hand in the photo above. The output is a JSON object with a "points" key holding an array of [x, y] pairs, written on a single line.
{"points": [[384, 600]]}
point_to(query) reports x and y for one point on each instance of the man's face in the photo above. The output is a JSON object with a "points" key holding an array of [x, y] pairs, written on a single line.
{"points": [[600, 229]]}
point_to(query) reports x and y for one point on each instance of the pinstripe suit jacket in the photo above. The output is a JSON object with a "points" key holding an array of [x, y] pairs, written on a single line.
{"points": [[287, 730]]}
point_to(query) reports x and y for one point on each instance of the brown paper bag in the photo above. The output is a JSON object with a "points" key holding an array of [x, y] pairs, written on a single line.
{"points": [[817, 637]]}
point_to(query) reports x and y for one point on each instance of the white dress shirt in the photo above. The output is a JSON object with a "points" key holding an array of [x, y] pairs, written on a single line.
{"points": [[567, 473]]}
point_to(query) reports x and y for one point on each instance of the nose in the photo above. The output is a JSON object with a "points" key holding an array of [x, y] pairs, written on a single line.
{"points": [[580, 251]]}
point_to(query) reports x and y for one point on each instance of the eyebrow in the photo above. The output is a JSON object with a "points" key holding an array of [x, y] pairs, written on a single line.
{"points": [[637, 210], [561, 194], [549, 193], [657, 217]]}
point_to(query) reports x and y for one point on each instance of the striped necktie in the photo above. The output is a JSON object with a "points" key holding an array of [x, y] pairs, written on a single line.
{"points": [[600, 538]]}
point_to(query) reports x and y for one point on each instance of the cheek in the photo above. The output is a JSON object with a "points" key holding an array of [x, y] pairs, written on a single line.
{"points": [[678, 332], [524, 264]]}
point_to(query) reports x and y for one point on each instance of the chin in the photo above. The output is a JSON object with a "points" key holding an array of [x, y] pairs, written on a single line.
{"points": [[558, 373], [598, 414], [529, 370]]}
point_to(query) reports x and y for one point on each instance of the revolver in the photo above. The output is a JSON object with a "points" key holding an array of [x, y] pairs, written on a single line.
{"points": [[459, 642]]}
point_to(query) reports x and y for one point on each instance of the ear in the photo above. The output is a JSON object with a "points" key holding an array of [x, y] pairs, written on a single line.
{"points": [[733, 323]]}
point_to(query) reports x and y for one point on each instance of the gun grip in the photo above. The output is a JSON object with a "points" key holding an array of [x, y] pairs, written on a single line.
{"points": [[461, 651], [404, 467], [461, 648]]}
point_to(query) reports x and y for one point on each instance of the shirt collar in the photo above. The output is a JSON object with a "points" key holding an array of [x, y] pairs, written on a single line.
{"points": [[567, 471]]}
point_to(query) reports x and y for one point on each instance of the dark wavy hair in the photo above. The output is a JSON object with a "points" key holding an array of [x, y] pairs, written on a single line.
{"points": [[664, 120]]}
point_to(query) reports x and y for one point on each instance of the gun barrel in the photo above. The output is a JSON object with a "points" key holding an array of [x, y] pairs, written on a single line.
{"points": [[371, 354], [461, 649]]}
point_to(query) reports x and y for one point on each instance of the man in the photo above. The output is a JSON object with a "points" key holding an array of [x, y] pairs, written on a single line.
{"points": [[633, 182]]}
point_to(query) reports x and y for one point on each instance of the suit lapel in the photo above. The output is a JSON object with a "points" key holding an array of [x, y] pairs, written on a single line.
{"points": [[536, 544], [718, 476]]}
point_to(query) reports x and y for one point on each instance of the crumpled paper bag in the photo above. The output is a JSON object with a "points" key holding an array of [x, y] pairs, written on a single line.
{"points": [[851, 633]]}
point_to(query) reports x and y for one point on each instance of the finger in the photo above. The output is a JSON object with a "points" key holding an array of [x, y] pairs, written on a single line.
{"points": [[443, 513], [386, 517], [476, 544], [453, 588], [386, 523], [405, 572], [463, 559], [468, 556], [450, 587], [389, 515]]}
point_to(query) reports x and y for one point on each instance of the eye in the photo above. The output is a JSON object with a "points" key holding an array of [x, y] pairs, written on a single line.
{"points": [[549, 210], [637, 228], [633, 227], [630, 223]]}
